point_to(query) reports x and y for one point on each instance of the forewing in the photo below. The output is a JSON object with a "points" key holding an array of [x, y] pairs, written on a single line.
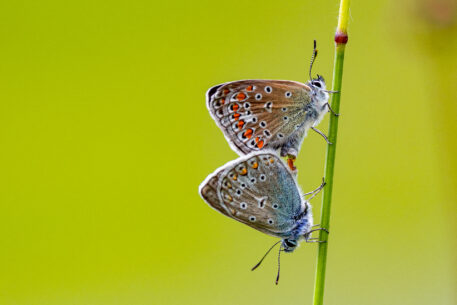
{"points": [[257, 190], [258, 114]]}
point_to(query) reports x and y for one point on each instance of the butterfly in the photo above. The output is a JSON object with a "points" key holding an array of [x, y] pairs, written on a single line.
{"points": [[275, 114], [260, 191]]}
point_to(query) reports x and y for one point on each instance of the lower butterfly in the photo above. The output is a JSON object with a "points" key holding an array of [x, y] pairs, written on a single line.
{"points": [[260, 191], [275, 114]]}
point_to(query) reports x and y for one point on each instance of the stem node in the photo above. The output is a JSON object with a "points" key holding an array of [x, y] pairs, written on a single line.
{"points": [[341, 38]]}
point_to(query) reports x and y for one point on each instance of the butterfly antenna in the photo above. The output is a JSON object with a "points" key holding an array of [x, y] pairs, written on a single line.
{"points": [[312, 60], [258, 264], [279, 265]]}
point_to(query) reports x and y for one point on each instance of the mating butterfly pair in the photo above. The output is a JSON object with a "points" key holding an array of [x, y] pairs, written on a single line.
{"points": [[258, 118]]}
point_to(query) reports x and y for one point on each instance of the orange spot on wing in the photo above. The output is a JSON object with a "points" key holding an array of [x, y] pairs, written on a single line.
{"points": [[248, 133], [240, 124], [249, 88], [235, 107], [257, 140], [235, 177], [222, 101], [240, 96], [244, 171], [236, 116], [225, 91], [260, 144], [255, 165]]}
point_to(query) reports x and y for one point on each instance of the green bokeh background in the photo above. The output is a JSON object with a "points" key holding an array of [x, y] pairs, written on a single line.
{"points": [[105, 137]]}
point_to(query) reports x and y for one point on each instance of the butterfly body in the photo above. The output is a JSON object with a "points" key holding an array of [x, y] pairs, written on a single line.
{"points": [[267, 114], [261, 192]]}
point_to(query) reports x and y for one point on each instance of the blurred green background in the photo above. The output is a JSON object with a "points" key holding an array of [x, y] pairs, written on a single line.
{"points": [[105, 137]]}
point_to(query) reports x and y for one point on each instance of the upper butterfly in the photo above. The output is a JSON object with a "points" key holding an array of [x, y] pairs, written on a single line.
{"points": [[275, 114]]}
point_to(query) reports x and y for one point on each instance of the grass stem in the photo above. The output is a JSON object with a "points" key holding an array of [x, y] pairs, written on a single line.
{"points": [[341, 39]]}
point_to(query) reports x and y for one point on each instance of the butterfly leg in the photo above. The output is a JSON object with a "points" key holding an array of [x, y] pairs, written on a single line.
{"points": [[331, 110], [316, 191], [322, 134], [319, 229], [315, 240]]}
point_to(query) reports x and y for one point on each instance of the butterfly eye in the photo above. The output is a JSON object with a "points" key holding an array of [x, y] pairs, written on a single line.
{"points": [[317, 84], [290, 243]]}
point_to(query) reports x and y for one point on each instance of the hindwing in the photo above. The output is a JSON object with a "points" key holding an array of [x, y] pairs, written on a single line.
{"points": [[257, 190], [258, 114]]}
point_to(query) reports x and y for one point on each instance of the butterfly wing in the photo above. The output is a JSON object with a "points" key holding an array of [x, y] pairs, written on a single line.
{"points": [[257, 114], [257, 190]]}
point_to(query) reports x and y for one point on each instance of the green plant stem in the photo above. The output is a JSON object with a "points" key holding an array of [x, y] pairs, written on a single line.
{"points": [[340, 40]]}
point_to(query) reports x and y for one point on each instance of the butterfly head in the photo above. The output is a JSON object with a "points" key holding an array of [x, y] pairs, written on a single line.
{"points": [[318, 88], [289, 244], [318, 83], [303, 224]]}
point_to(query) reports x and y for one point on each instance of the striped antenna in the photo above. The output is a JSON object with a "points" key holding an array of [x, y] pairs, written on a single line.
{"points": [[312, 60]]}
